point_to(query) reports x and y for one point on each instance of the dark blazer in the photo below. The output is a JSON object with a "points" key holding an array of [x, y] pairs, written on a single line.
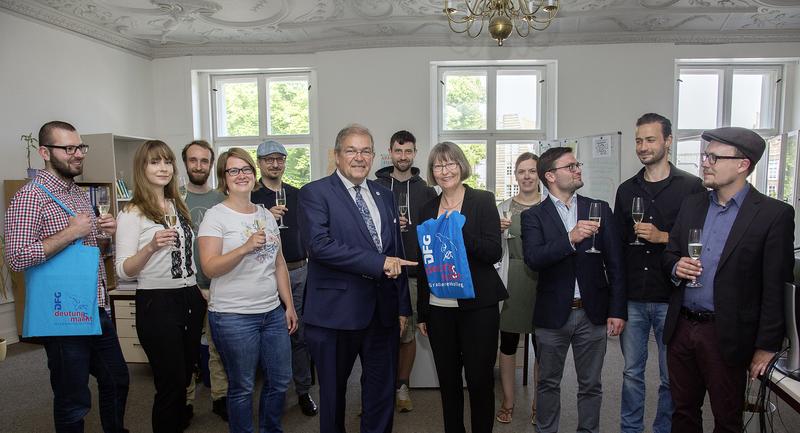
{"points": [[345, 283], [749, 285], [601, 277], [482, 242]]}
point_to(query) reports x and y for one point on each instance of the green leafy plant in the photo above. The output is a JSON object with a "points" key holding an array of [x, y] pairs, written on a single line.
{"points": [[31, 143]]}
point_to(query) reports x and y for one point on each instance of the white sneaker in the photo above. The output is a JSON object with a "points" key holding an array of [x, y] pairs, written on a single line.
{"points": [[404, 399]]}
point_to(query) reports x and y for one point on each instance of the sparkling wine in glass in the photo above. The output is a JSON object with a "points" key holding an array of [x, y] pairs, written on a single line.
{"points": [[595, 213], [637, 212], [261, 216], [402, 206], [171, 217], [280, 200], [183, 190], [695, 250], [507, 215], [103, 199]]}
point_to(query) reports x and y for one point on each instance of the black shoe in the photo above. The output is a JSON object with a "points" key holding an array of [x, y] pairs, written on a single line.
{"points": [[220, 407], [307, 405], [187, 416]]}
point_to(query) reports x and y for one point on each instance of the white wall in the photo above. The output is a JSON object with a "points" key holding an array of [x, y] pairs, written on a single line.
{"points": [[48, 74], [601, 88]]}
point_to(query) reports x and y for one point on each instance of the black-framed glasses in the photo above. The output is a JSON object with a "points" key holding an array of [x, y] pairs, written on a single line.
{"points": [[70, 150], [236, 170], [270, 160], [712, 159], [440, 168], [571, 167]]}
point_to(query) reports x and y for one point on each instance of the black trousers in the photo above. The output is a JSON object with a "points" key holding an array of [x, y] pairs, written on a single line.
{"points": [[169, 323], [465, 339]]}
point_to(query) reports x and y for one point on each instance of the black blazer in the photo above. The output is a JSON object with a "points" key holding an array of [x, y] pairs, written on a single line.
{"points": [[749, 285], [481, 240], [601, 277]]}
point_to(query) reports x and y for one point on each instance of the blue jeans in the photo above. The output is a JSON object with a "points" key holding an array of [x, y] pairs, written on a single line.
{"points": [[642, 316], [71, 360], [245, 342], [301, 362]]}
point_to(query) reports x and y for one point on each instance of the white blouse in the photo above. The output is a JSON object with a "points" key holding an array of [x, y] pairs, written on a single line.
{"points": [[167, 268]]}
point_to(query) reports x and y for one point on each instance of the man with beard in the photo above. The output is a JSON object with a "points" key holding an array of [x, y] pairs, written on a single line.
{"points": [[733, 320], [198, 158], [581, 296], [37, 228], [661, 187], [272, 163], [409, 190]]}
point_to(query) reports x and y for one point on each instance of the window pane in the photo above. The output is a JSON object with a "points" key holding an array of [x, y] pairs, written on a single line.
{"points": [[698, 100], [476, 155], [237, 107], [688, 155], [288, 107], [465, 101], [751, 106], [774, 145], [789, 168], [507, 153], [517, 100]]}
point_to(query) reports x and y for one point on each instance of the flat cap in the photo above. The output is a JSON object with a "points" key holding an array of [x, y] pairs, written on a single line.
{"points": [[747, 141], [269, 147]]}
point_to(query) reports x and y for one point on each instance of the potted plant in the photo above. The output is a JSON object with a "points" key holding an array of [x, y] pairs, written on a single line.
{"points": [[31, 143]]}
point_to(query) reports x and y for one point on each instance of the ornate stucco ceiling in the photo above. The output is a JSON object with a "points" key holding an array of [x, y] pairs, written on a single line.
{"points": [[168, 28]]}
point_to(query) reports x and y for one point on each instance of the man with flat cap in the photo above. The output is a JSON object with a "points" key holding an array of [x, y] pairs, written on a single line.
{"points": [[730, 327]]}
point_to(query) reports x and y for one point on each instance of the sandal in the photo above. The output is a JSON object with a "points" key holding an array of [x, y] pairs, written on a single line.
{"points": [[504, 415], [533, 415]]}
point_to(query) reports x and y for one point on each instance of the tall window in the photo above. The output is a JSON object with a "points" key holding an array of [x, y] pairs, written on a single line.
{"points": [[716, 95], [248, 109], [494, 113]]}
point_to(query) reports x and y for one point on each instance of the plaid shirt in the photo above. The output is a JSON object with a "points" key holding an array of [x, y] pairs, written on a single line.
{"points": [[33, 216]]}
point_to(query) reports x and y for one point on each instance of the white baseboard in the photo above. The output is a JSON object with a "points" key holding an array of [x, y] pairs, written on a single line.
{"points": [[8, 323]]}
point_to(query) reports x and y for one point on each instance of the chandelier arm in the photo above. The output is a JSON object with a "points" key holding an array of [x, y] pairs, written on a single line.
{"points": [[527, 29], [480, 29], [544, 26], [475, 7]]}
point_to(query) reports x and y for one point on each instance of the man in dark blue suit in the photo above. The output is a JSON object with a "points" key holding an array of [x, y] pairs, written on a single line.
{"points": [[356, 301], [581, 295]]}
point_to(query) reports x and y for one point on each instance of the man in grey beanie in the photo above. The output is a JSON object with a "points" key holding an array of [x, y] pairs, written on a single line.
{"points": [[733, 323]]}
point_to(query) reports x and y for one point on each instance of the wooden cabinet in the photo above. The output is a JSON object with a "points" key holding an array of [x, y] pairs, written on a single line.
{"points": [[123, 313]]}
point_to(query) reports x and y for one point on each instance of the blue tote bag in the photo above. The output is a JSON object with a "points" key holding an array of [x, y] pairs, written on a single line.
{"points": [[61, 293], [444, 256]]}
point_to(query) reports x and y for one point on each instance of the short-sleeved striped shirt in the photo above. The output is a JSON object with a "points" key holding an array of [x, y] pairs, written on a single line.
{"points": [[33, 216]]}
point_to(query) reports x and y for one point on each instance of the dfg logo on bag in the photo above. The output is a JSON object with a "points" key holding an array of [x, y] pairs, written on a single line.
{"points": [[57, 301], [445, 258]]}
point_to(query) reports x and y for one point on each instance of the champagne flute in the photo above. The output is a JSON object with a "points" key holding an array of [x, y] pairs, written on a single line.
{"points": [[695, 250], [637, 212], [171, 218], [103, 200], [507, 215], [183, 189], [595, 212], [280, 200], [261, 216], [402, 206]]}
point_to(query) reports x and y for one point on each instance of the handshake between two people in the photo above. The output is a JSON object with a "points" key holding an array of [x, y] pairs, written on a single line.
{"points": [[393, 266]]}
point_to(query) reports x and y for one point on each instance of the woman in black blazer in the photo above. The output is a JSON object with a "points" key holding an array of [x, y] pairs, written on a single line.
{"points": [[463, 332]]}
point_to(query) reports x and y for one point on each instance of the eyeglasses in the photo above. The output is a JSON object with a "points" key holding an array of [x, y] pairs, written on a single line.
{"points": [[712, 159], [236, 170], [70, 150], [270, 161], [439, 168], [573, 168], [365, 153]]}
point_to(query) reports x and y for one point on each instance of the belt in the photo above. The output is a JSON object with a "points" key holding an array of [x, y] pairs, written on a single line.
{"points": [[698, 316], [296, 265], [577, 304]]}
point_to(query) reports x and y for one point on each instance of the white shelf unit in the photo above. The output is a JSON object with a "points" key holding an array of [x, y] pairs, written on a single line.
{"points": [[110, 155]]}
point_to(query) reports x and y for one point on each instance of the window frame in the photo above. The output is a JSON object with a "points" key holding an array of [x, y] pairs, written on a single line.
{"points": [[546, 107]]}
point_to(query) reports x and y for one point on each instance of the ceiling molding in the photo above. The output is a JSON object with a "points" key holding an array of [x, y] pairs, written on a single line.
{"points": [[188, 28]]}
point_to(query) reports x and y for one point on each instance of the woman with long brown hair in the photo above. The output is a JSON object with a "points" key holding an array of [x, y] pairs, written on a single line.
{"points": [[154, 246]]}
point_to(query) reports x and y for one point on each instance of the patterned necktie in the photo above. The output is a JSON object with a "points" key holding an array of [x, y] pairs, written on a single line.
{"points": [[361, 204]]}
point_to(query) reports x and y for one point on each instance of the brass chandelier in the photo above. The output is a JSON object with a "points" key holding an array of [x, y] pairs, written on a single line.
{"points": [[504, 16]]}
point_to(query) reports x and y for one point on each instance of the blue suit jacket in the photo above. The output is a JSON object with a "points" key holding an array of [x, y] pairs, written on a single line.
{"points": [[546, 247], [346, 285]]}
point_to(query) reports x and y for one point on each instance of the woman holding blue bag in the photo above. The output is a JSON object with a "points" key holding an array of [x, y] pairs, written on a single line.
{"points": [[155, 246], [463, 332]]}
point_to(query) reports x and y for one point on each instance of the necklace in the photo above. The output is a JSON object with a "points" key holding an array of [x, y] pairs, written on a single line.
{"points": [[448, 207]]}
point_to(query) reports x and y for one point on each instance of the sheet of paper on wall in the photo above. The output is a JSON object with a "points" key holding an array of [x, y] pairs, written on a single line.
{"points": [[601, 146]]}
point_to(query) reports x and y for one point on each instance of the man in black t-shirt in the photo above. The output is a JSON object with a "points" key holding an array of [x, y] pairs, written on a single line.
{"points": [[272, 163], [661, 188]]}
